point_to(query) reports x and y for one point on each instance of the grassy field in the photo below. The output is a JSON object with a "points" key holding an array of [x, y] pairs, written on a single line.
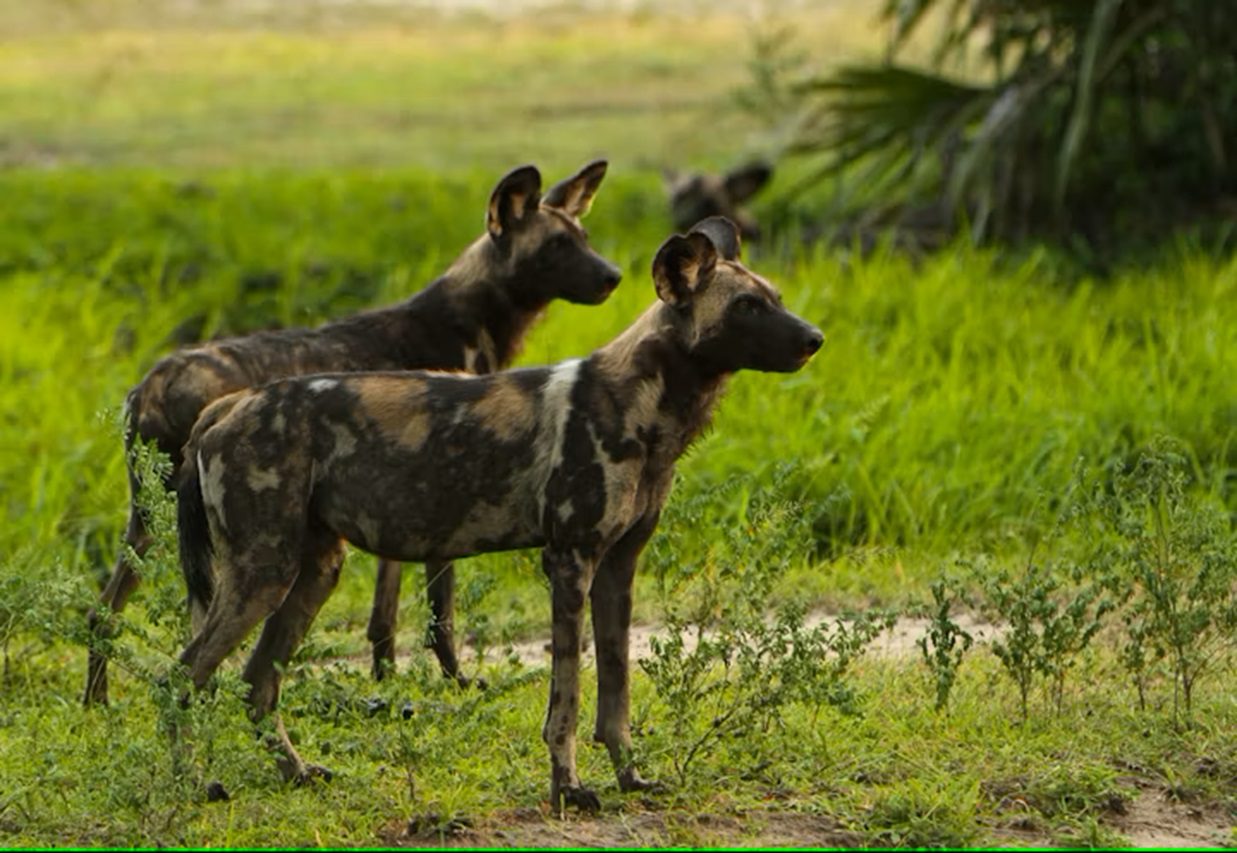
{"points": [[165, 182]]}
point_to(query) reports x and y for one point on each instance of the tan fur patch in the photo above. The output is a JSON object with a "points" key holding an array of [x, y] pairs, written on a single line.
{"points": [[484, 521], [484, 349], [506, 410], [729, 279], [345, 441], [223, 406], [519, 202], [211, 476], [709, 307], [616, 357], [572, 224], [389, 402], [473, 264], [261, 479]]}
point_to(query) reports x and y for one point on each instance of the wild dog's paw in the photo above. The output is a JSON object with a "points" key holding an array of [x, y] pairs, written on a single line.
{"points": [[465, 682], [576, 796], [384, 658], [630, 780], [313, 773], [580, 797]]}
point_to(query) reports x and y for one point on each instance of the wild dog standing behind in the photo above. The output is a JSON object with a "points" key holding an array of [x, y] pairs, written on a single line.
{"points": [[471, 319], [697, 196], [576, 459]]}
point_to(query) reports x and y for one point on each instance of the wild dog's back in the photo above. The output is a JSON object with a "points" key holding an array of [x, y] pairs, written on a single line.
{"points": [[409, 465]]}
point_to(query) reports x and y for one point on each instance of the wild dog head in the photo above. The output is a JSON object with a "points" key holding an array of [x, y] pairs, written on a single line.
{"points": [[695, 196], [540, 236], [727, 317]]}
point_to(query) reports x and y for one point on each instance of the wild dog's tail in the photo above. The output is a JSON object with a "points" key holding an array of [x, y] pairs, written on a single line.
{"points": [[196, 549], [195, 544]]}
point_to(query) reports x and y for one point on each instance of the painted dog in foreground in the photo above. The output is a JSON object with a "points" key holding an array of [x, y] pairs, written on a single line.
{"points": [[576, 459], [473, 319]]}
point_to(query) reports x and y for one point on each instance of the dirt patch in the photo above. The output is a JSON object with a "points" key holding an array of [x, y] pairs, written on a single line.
{"points": [[531, 828], [1153, 820], [896, 642]]}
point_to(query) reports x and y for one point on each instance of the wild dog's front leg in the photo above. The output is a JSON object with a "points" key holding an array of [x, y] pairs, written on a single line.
{"points": [[570, 577], [383, 616], [611, 605]]}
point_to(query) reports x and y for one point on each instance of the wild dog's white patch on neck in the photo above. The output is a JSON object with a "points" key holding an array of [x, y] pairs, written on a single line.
{"points": [[557, 399], [319, 386], [553, 408], [558, 390]]}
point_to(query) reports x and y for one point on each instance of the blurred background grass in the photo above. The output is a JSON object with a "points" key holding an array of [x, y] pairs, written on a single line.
{"points": [[251, 85]]}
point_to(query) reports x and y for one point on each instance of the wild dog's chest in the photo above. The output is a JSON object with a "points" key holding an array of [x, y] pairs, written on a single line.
{"points": [[602, 484]]}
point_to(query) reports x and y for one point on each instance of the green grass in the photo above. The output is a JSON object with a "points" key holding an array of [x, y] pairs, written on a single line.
{"points": [[942, 419], [943, 415], [895, 774]]}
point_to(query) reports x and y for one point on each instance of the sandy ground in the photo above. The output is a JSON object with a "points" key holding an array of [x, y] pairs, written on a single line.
{"points": [[897, 642]]}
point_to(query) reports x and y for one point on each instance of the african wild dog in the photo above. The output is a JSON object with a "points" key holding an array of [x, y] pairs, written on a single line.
{"points": [[473, 318], [576, 459], [695, 196]]}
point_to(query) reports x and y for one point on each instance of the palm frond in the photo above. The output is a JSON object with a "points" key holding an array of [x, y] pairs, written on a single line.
{"points": [[1094, 108]]}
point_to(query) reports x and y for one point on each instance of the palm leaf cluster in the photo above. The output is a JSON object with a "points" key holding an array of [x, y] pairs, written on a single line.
{"points": [[1090, 118]]}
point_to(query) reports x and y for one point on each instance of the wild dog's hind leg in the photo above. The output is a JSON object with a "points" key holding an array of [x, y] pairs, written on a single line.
{"points": [[611, 607], [382, 618], [570, 577], [283, 633], [239, 604], [120, 586]]}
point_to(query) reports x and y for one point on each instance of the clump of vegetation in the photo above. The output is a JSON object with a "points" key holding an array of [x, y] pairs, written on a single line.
{"points": [[1051, 614], [1080, 122], [1139, 539], [729, 662], [946, 642], [1170, 559]]}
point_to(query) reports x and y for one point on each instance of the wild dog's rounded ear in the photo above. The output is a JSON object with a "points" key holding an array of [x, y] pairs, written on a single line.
{"points": [[745, 181], [513, 201], [575, 194], [723, 234], [672, 179], [682, 264]]}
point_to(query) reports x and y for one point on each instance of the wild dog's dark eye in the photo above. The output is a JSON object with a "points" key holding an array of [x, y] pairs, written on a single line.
{"points": [[749, 303]]}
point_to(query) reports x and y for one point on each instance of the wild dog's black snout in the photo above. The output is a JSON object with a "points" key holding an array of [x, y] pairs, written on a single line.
{"points": [[607, 277], [814, 341], [611, 277]]}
